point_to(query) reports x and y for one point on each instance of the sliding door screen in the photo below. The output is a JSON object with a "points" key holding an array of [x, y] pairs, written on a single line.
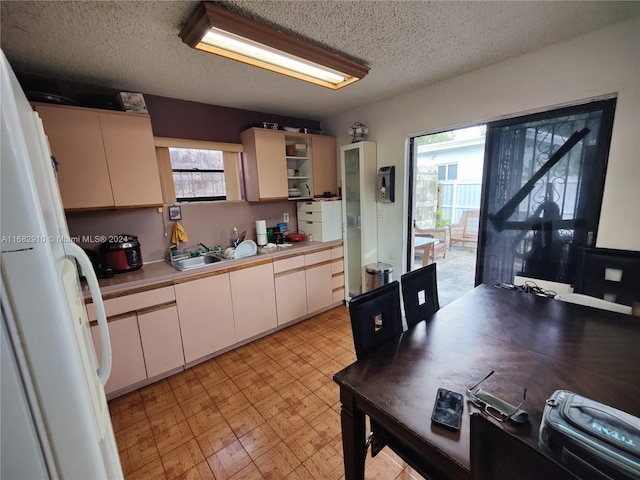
{"points": [[543, 184]]}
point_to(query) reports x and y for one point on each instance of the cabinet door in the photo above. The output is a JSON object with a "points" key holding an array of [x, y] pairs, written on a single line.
{"points": [[254, 300], [358, 166], [291, 296], [206, 316], [127, 361], [319, 287], [161, 342], [265, 165], [75, 139], [131, 156], [324, 164]]}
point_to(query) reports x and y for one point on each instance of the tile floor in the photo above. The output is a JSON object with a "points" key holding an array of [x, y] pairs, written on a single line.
{"points": [[266, 410], [456, 272]]}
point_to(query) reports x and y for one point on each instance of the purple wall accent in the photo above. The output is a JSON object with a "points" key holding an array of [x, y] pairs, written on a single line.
{"points": [[175, 118], [208, 223], [170, 117]]}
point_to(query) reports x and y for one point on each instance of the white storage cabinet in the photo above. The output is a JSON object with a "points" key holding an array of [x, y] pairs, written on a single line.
{"points": [[321, 219], [359, 172]]}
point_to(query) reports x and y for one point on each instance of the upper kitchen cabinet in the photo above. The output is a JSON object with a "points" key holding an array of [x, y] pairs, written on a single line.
{"points": [[131, 156], [106, 159], [265, 167], [325, 165], [75, 138], [280, 165]]}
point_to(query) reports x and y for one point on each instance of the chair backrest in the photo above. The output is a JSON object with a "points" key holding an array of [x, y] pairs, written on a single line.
{"points": [[609, 274], [375, 317], [470, 222], [498, 455], [581, 299], [420, 294]]}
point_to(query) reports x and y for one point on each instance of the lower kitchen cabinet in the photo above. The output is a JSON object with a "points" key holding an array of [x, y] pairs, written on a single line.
{"points": [[254, 299], [318, 280], [319, 287], [291, 288], [161, 343], [206, 315], [127, 364], [157, 330]]}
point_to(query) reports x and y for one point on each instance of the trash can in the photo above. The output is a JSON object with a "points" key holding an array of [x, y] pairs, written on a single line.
{"points": [[378, 274]]}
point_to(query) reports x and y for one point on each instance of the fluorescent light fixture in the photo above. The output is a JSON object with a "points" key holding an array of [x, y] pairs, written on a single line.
{"points": [[215, 29]]}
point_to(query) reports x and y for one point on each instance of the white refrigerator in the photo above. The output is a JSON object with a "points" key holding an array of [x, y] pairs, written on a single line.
{"points": [[54, 418]]}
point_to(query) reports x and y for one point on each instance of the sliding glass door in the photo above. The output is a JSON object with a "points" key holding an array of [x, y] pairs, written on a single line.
{"points": [[543, 184]]}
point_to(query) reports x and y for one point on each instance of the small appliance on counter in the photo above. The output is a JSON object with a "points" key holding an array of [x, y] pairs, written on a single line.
{"points": [[121, 253]]}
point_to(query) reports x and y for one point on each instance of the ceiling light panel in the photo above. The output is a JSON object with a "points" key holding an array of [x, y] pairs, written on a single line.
{"points": [[216, 30]]}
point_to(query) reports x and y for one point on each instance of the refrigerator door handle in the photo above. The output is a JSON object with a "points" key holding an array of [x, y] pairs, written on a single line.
{"points": [[104, 370]]}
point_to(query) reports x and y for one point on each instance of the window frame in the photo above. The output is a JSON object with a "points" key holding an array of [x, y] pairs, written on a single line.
{"points": [[231, 153], [213, 198]]}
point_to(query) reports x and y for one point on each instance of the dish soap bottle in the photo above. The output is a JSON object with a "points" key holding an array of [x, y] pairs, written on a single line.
{"points": [[234, 236]]}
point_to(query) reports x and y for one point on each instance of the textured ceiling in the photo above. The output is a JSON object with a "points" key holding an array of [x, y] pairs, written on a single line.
{"points": [[407, 44]]}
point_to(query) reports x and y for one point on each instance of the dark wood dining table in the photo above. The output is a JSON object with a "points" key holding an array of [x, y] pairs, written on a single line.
{"points": [[530, 341]]}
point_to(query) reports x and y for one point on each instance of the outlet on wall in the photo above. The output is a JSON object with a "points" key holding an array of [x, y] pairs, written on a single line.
{"points": [[286, 217]]}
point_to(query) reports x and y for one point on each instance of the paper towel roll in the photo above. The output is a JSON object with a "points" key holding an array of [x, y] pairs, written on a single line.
{"points": [[261, 232]]}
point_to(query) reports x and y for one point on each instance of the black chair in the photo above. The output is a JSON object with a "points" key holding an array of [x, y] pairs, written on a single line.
{"points": [[420, 294], [612, 275], [498, 455], [375, 317]]}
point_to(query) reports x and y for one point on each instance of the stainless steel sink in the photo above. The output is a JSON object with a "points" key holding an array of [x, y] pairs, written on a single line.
{"points": [[185, 262]]}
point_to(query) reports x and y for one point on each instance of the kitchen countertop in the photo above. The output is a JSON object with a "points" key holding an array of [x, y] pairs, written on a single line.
{"points": [[161, 272]]}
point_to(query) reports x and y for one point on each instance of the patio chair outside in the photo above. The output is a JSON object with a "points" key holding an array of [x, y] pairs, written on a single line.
{"points": [[466, 230]]}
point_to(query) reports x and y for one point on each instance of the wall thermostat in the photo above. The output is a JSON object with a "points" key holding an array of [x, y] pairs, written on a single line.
{"points": [[386, 184]]}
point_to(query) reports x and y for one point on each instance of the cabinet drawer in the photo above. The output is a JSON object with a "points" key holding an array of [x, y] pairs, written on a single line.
{"points": [[317, 257], [312, 228], [338, 295], [337, 252], [310, 207], [337, 266], [311, 216], [337, 281], [133, 302], [288, 264]]}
